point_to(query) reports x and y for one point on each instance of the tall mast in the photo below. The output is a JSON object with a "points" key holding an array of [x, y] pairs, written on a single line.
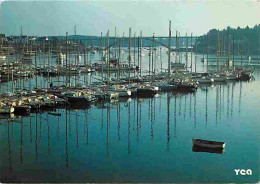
{"points": [[28, 46], [21, 31], [66, 59], [141, 53], [233, 52], [8, 60], [186, 56], [191, 54], [138, 51], [123, 39], [87, 65], [75, 33], [241, 48], [203, 47], [208, 53], [35, 63], [78, 51], [102, 56], [108, 48], [43, 48], [169, 50], [59, 61], [155, 56], [70, 53], [108, 56], [134, 47], [85, 59], [12, 80], [21, 41], [115, 43], [29, 59], [129, 57], [179, 52], [229, 45], [195, 68], [119, 55], [152, 57], [119, 48], [176, 47], [49, 60], [221, 40], [161, 58], [150, 54], [123, 44], [224, 45], [218, 54]]}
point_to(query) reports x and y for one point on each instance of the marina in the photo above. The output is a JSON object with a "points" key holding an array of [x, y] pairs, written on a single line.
{"points": [[77, 81], [127, 106], [117, 118], [127, 131]]}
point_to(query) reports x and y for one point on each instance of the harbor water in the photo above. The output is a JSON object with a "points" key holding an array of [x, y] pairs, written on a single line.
{"points": [[138, 139]]}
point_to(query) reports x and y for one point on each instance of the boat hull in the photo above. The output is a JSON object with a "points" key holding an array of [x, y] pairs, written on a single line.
{"points": [[220, 79], [166, 88], [146, 92], [186, 88], [6, 110], [122, 93], [245, 76], [78, 100], [204, 81], [208, 144], [23, 109]]}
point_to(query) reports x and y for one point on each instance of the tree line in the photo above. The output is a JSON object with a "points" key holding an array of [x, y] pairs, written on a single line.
{"points": [[245, 41]]}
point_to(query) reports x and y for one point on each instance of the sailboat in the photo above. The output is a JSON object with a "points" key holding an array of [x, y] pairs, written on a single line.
{"points": [[120, 89], [203, 79], [78, 97], [217, 77], [163, 85], [147, 90], [105, 95]]}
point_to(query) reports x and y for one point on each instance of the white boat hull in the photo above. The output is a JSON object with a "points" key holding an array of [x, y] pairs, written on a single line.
{"points": [[6, 110]]}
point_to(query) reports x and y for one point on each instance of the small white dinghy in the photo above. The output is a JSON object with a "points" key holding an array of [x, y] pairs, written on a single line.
{"points": [[208, 144]]}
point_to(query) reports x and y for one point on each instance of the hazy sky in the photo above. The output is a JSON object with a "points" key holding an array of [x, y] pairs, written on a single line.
{"points": [[151, 16]]}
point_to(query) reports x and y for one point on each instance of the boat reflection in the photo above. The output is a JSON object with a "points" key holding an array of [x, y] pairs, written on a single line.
{"points": [[207, 150], [80, 106], [9, 150], [131, 122]]}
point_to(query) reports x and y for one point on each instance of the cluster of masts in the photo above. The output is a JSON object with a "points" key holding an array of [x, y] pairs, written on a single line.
{"points": [[82, 96], [176, 77]]}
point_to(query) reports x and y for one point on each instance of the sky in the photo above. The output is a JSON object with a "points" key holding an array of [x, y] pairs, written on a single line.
{"points": [[52, 18]]}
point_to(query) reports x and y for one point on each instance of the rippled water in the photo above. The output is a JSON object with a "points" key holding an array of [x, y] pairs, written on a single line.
{"points": [[139, 139]]}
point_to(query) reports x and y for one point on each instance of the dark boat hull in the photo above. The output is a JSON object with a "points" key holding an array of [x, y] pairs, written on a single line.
{"points": [[78, 101], [208, 144], [145, 93], [245, 76], [22, 109]]}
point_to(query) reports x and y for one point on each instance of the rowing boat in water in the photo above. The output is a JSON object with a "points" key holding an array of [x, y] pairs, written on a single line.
{"points": [[208, 144]]}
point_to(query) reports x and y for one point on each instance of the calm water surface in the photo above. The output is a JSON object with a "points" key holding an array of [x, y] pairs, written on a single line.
{"points": [[139, 139]]}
